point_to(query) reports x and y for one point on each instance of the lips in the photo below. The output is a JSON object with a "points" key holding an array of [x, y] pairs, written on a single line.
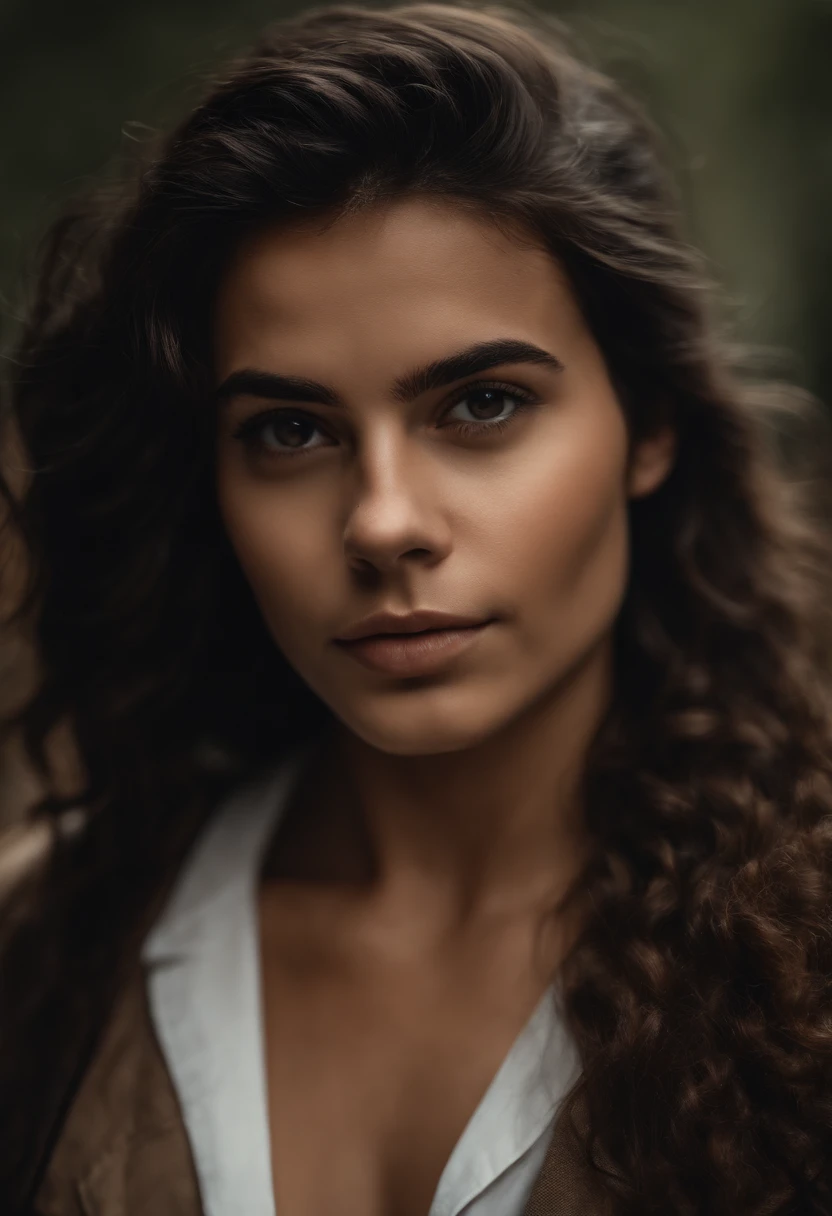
{"points": [[412, 654], [411, 622]]}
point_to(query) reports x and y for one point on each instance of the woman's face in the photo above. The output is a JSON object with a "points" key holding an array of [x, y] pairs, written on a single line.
{"points": [[413, 416]]}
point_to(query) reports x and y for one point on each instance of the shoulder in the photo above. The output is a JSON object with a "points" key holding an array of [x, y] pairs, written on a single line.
{"points": [[568, 1183], [123, 1149]]}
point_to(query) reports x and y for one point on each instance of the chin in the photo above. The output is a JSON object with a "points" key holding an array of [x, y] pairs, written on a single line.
{"points": [[413, 745], [424, 731]]}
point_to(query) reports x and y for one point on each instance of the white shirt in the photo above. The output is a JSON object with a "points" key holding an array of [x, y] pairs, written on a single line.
{"points": [[202, 966]]}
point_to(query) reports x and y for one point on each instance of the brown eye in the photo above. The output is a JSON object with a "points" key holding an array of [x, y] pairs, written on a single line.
{"points": [[288, 432], [485, 404], [490, 405], [281, 433]]}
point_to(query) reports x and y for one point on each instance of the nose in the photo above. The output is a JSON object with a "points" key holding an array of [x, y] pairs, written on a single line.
{"points": [[395, 513]]}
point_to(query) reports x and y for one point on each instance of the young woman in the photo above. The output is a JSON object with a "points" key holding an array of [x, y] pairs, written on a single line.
{"points": [[445, 663]]}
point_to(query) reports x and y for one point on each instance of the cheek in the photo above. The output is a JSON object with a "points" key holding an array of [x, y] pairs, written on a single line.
{"points": [[281, 548], [559, 536]]}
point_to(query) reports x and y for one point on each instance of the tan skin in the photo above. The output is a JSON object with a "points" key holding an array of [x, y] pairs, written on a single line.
{"points": [[405, 908]]}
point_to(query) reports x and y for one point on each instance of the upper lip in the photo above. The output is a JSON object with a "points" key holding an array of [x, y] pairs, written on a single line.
{"points": [[411, 622]]}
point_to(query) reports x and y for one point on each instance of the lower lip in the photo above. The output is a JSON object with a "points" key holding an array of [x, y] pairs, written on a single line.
{"points": [[412, 654]]}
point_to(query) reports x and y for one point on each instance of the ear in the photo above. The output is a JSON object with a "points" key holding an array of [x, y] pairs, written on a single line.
{"points": [[650, 462]]}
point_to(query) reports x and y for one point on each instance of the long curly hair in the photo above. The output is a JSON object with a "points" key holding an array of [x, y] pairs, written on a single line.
{"points": [[700, 988]]}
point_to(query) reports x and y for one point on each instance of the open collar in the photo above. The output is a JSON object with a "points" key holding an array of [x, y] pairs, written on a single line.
{"points": [[203, 979]]}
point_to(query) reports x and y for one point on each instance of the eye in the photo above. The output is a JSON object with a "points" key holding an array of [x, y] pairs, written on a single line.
{"points": [[281, 433], [478, 409], [482, 407]]}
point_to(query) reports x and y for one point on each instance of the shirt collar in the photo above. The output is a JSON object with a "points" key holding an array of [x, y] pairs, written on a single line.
{"points": [[517, 1108], [222, 867], [203, 984], [204, 988]]}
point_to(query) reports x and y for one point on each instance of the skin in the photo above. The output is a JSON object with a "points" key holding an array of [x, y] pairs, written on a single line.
{"points": [[406, 905]]}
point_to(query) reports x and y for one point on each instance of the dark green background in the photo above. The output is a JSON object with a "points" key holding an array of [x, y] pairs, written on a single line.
{"points": [[743, 88]]}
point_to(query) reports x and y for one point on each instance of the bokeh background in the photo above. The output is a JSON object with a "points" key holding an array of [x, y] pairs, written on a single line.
{"points": [[742, 89]]}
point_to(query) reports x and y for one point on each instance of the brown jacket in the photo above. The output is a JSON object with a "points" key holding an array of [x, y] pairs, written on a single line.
{"points": [[123, 1149]]}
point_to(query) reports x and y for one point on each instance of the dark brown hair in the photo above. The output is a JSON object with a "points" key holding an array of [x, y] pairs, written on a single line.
{"points": [[700, 989]]}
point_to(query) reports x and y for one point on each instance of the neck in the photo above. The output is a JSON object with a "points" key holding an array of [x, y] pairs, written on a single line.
{"points": [[494, 830]]}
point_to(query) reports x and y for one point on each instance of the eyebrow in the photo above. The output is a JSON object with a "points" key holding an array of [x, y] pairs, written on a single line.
{"points": [[406, 388]]}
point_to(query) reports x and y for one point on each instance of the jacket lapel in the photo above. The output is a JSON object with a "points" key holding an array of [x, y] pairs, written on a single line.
{"points": [[123, 1150], [140, 1176], [566, 1184]]}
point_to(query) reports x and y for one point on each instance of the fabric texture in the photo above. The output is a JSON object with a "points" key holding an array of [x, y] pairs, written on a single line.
{"points": [[566, 1185], [124, 1150], [203, 974], [128, 1145]]}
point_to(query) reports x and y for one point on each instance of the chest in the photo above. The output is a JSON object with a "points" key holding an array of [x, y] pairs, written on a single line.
{"points": [[387, 1073], [127, 1146]]}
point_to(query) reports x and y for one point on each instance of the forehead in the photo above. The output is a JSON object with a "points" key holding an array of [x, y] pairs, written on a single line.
{"points": [[416, 269]]}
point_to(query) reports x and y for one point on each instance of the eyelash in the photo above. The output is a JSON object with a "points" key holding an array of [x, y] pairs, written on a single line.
{"points": [[250, 429]]}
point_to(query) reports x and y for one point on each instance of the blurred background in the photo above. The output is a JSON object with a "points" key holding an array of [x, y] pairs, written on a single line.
{"points": [[741, 88]]}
